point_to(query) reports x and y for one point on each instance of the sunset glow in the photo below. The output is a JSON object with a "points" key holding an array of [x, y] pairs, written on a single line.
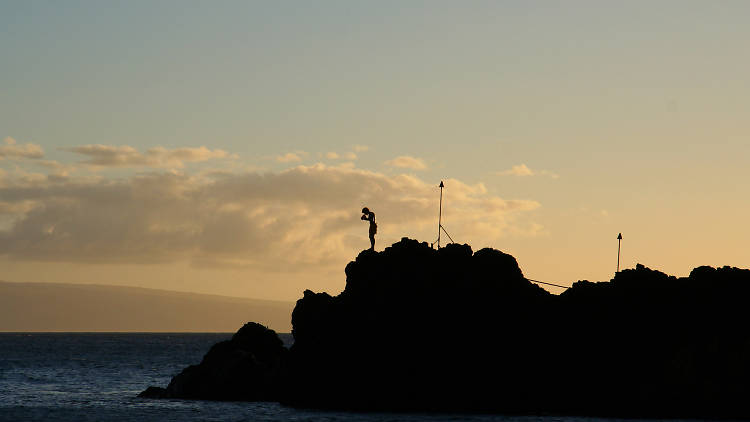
{"points": [[228, 149]]}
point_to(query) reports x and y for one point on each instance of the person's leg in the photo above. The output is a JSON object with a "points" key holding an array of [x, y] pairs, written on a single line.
{"points": [[372, 241]]}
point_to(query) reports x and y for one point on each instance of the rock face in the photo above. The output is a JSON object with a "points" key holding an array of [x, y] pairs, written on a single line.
{"points": [[247, 367], [451, 330], [651, 344], [417, 328]]}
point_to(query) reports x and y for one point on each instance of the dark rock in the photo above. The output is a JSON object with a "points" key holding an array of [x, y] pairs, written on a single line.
{"points": [[247, 367], [417, 328]]}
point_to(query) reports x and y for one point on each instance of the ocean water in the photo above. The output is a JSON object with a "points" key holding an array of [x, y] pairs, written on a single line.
{"points": [[96, 377]]}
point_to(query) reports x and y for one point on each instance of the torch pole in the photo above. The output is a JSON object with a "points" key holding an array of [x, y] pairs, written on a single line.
{"points": [[440, 214], [619, 239]]}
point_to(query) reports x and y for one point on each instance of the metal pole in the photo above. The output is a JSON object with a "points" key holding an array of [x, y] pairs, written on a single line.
{"points": [[440, 215], [619, 239]]}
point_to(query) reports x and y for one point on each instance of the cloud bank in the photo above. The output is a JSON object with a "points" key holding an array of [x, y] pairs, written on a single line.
{"points": [[12, 149], [158, 157], [306, 215]]}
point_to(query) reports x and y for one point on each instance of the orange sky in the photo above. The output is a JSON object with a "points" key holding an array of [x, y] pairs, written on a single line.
{"points": [[228, 149]]}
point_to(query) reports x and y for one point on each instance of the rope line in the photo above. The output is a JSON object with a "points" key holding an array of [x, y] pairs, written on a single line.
{"points": [[446, 233], [549, 284]]}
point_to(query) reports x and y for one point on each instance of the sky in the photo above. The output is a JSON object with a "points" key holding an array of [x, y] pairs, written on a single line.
{"points": [[228, 147]]}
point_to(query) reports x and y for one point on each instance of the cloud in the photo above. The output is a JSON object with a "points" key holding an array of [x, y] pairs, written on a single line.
{"points": [[289, 157], [524, 170], [405, 161], [519, 170], [303, 217], [52, 164], [158, 157], [13, 149], [332, 155], [15, 208], [361, 148]]}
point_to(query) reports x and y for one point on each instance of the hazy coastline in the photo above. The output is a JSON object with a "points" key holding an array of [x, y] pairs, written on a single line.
{"points": [[52, 307]]}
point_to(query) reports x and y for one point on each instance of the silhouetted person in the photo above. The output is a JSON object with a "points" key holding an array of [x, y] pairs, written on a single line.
{"points": [[370, 216]]}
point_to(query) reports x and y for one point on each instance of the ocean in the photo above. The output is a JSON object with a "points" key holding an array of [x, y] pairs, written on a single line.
{"points": [[96, 377]]}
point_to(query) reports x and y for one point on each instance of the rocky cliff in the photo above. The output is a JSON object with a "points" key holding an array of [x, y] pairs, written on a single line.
{"points": [[454, 330]]}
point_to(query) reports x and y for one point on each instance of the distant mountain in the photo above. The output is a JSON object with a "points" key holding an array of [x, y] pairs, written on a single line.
{"points": [[85, 307]]}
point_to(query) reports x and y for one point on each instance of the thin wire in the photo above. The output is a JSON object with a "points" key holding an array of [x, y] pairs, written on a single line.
{"points": [[549, 284], [446, 232]]}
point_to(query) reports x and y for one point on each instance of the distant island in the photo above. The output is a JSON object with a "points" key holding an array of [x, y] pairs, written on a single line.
{"points": [[34, 307], [422, 329]]}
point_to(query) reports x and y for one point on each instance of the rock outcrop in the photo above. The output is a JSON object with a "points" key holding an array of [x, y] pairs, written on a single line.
{"points": [[247, 367], [417, 328], [454, 330]]}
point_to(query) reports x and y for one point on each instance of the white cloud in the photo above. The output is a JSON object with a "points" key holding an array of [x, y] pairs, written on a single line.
{"points": [[519, 170], [332, 155], [301, 217], [405, 161], [158, 157], [289, 157], [13, 149], [524, 170]]}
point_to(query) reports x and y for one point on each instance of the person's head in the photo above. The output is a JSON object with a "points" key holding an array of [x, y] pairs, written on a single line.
{"points": [[365, 210]]}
